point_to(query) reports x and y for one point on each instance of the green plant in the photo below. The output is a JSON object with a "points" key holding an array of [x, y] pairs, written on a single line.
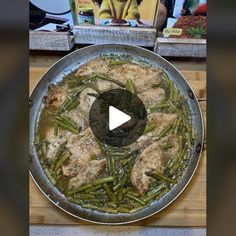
{"points": [[196, 32]]}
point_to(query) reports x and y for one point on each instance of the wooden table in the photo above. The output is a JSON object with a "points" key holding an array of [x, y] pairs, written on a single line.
{"points": [[188, 210]]}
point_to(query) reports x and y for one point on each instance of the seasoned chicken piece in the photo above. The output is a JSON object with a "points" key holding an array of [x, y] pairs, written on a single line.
{"points": [[54, 143], [81, 119], [161, 120], [143, 77], [153, 158], [170, 140], [97, 65], [86, 101], [87, 173], [106, 85], [83, 148], [55, 97], [150, 159], [152, 97]]}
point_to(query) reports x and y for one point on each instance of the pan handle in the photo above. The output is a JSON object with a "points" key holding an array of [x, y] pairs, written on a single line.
{"points": [[202, 99], [205, 141]]}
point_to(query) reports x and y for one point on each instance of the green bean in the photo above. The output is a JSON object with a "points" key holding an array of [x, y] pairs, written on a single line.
{"points": [[133, 193], [118, 63], [61, 161], [43, 147], [58, 171], [67, 103], [165, 131], [103, 209], [102, 180], [171, 94], [126, 190], [95, 188], [89, 206], [84, 196], [59, 153], [156, 189], [64, 105], [120, 195], [135, 199], [125, 161], [162, 193], [174, 168], [111, 204], [108, 160], [176, 158], [193, 133], [177, 125], [49, 175], [188, 139], [98, 193], [136, 209], [123, 209], [166, 77], [90, 185], [58, 177], [67, 127], [87, 80], [111, 80], [174, 107], [130, 86], [177, 163], [76, 201], [149, 128], [154, 194], [175, 95], [167, 146], [56, 129], [159, 105], [155, 85], [128, 155], [109, 193], [157, 175], [121, 182], [74, 104], [62, 184], [67, 120], [113, 170]]}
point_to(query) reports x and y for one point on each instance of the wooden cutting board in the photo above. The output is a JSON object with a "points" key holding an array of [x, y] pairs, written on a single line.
{"points": [[188, 210]]}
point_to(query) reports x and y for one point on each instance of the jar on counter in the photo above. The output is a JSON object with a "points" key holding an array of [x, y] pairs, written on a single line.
{"points": [[86, 16]]}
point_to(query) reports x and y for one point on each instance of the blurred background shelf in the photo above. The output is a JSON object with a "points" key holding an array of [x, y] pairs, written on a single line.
{"points": [[113, 34], [145, 37], [180, 47], [51, 41]]}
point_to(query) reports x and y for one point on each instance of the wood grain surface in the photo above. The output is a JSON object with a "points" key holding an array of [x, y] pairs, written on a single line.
{"points": [[188, 210]]}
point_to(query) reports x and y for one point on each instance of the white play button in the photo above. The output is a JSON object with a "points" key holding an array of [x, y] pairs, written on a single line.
{"points": [[117, 118]]}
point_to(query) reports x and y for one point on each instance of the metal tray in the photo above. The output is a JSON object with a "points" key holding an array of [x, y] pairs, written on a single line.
{"points": [[56, 74]]}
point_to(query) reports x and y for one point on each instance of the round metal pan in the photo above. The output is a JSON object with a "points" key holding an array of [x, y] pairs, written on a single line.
{"points": [[70, 63]]}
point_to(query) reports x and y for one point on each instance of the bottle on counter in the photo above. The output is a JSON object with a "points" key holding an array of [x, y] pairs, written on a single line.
{"points": [[86, 16]]}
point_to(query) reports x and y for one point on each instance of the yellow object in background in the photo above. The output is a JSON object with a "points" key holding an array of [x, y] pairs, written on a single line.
{"points": [[143, 10], [119, 9]]}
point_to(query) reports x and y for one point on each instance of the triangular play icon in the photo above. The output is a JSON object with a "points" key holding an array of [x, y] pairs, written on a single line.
{"points": [[117, 118]]}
